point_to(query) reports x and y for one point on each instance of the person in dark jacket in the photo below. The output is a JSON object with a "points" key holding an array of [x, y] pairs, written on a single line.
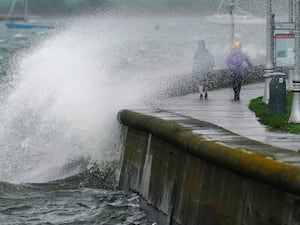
{"points": [[235, 62], [203, 64]]}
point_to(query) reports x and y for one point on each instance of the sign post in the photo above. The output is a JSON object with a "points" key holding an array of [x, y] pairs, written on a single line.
{"points": [[295, 112], [269, 67]]}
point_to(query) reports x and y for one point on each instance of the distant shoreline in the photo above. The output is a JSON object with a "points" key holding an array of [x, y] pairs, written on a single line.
{"points": [[11, 18]]}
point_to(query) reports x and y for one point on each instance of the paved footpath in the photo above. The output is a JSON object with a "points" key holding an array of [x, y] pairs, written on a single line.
{"points": [[234, 116]]}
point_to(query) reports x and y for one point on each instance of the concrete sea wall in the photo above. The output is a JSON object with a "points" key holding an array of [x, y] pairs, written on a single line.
{"points": [[185, 176]]}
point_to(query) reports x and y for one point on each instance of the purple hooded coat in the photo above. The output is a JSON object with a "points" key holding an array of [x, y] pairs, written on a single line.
{"points": [[235, 63]]}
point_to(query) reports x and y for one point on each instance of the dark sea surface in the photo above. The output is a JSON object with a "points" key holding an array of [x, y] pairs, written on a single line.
{"points": [[60, 92]]}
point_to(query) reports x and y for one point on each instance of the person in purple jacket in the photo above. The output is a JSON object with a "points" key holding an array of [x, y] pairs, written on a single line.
{"points": [[235, 62]]}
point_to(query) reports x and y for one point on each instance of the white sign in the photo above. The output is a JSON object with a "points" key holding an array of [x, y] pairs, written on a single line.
{"points": [[284, 50]]}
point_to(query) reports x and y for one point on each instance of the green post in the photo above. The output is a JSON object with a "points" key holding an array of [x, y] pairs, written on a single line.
{"points": [[278, 95]]}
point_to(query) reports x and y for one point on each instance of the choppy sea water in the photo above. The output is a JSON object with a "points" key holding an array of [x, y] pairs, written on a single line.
{"points": [[43, 204], [61, 89]]}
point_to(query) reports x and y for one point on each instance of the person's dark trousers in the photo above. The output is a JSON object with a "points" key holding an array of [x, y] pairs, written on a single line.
{"points": [[236, 83]]}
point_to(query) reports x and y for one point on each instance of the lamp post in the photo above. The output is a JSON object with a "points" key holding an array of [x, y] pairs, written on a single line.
{"points": [[231, 24], [291, 20], [25, 9], [295, 113], [269, 67]]}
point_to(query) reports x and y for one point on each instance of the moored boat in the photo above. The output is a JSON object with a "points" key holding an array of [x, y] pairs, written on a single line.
{"points": [[25, 24]]}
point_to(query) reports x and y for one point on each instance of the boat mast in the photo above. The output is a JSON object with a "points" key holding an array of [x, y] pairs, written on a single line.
{"points": [[220, 6], [11, 9], [25, 9]]}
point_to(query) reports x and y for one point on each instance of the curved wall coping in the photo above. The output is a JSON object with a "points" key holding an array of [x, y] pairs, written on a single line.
{"points": [[240, 160]]}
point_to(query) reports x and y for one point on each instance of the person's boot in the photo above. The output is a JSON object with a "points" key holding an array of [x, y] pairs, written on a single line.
{"points": [[200, 89], [206, 95], [236, 96]]}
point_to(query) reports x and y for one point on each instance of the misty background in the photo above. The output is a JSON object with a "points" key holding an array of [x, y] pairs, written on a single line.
{"points": [[201, 7]]}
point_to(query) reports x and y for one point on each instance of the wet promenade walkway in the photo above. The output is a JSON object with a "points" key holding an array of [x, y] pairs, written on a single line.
{"points": [[221, 110]]}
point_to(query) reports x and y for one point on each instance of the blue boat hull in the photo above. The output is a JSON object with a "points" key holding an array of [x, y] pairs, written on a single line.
{"points": [[27, 26]]}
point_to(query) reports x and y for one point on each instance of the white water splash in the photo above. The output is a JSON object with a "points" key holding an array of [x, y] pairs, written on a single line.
{"points": [[67, 90]]}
